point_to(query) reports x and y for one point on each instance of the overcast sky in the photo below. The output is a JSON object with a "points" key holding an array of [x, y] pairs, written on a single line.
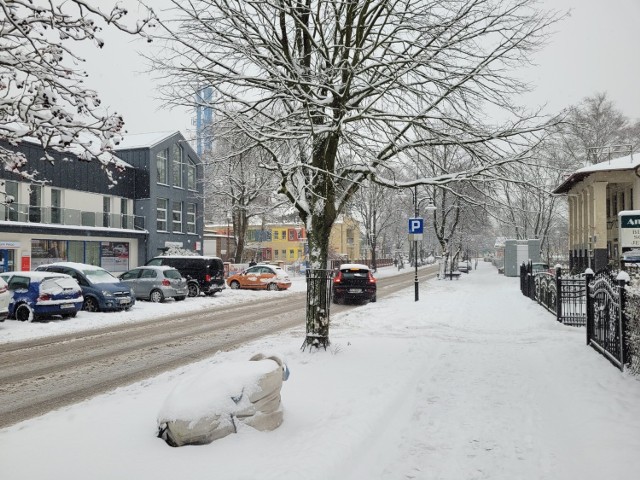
{"points": [[596, 49]]}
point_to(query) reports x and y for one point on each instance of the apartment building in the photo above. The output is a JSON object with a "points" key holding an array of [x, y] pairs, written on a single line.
{"points": [[115, 214]]}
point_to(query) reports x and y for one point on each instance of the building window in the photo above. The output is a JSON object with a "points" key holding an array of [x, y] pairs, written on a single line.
{"points": [[191, 175], [35, 203], [284, 254], [622, 200], [292, 253], [11, 200], [176, 217], [124, 214], [191, 217], [162, 160], [276, 254], [275, 236], [176, 165], [161, 214], [106, 211], [56, 205]]}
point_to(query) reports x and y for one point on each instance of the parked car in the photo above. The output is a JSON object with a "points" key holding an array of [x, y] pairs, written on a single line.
{"points": [[538, 267], [5, 300], [101, 290], [38, 295], [203, 274], [354, 282], [260, 277], [464, 267], [156, 283]]}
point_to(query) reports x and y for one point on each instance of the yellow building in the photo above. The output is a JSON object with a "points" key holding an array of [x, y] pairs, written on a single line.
{"points": [[287, 242]]}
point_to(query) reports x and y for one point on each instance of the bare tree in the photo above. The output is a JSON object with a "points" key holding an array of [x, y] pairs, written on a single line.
{"points": [[354, 86], [595, 122], [42, 94], [236, 186]]}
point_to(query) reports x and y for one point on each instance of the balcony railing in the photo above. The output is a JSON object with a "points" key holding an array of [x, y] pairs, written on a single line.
{"points": [[20, 212]]}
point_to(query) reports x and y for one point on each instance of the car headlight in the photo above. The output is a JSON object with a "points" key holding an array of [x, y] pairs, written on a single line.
{"points": [[107, 293]]}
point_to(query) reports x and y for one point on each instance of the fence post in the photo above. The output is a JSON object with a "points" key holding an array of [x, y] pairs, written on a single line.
{"points": [[558, 294], [623, 278], [530, 282], [588, 276]]}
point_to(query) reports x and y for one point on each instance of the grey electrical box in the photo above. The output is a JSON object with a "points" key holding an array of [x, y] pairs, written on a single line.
{"points": [[518, 251]]}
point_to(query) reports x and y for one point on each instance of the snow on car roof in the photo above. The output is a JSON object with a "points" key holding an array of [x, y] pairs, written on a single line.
{"points": [[353, 266], [39, 275], [77, 266]]}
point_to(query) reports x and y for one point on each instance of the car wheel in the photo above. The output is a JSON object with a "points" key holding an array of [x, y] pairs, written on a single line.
{"points": [[194, 290], [336, 300], [272, 286], [90, 305], [235, 285], [179, 299], [156, 296], [374, 299], [24, 313], [70, 315]]}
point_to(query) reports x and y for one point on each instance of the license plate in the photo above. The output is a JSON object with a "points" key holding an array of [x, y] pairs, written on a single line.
{"points": [[125, 300], [67, 305], [355, 290]]}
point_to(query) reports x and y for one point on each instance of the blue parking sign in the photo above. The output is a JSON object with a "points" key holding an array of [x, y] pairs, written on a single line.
{"points": [[416, 225]]}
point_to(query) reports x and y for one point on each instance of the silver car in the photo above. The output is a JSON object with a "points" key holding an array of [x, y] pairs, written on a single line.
{"points": [[156, 283]]}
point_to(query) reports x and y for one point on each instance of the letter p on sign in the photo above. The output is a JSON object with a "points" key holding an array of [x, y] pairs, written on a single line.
{"points": [[416, 225]]}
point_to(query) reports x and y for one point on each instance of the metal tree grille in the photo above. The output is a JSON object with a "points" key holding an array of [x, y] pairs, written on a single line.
{"points": [[572, 309], [319, 285], [606, 325]]}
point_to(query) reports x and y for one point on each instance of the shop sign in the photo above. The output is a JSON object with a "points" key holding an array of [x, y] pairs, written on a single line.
{"points": [[6, 244], [629, 229]]}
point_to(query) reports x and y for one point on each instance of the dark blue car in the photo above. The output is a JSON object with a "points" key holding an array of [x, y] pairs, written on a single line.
{"points": [[101, 290], [37, 295]]}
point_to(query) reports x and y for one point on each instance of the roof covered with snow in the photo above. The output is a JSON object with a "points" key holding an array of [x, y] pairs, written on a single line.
{"points": [[143, 140], [629, 162]]}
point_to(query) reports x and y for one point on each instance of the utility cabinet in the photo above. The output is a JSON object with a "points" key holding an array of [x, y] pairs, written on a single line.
{"points": [[518, 251]]}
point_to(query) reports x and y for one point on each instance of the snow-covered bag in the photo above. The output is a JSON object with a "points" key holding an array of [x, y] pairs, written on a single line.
{"points": [[209, 406]]}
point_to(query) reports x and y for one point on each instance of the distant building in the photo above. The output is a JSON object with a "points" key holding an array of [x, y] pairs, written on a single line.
{"points": [[596, 194], [286, 242]]}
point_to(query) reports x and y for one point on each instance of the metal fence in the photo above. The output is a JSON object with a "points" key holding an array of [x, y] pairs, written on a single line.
{"points": [[606, 319], [595, 301]]}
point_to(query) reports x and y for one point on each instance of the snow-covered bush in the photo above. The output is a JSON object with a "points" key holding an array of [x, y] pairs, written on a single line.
{"points": [[633, 323]]}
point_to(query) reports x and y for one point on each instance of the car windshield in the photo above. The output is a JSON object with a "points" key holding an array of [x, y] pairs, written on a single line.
{"points": [[100, 276]]}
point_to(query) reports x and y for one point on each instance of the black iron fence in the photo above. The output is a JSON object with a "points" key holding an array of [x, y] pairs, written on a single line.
{"points": [[595, 301], [606, 318]]}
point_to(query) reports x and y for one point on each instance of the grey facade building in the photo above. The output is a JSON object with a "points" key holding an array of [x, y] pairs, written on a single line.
{"points": [[116, 213], [170, 193]]}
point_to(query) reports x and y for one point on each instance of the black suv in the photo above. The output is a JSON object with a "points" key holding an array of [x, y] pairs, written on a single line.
{"points": [[354, 282], [203, 274]]}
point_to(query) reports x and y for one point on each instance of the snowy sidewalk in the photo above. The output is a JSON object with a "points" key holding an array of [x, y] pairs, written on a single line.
{"points": [[474, 381]]}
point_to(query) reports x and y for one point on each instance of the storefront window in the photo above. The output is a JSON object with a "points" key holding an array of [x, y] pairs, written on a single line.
{"points": [[47, 251], [75, 251]]}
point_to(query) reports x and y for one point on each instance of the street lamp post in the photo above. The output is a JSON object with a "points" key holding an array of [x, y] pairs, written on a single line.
{"points": [[430, 207], [228, 221]]}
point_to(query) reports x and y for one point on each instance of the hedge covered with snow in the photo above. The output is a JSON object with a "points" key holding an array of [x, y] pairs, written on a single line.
{"points": [[633, 323]]}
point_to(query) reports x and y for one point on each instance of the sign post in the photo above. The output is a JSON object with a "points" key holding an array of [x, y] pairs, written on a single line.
{"points": [[416, 229]]}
